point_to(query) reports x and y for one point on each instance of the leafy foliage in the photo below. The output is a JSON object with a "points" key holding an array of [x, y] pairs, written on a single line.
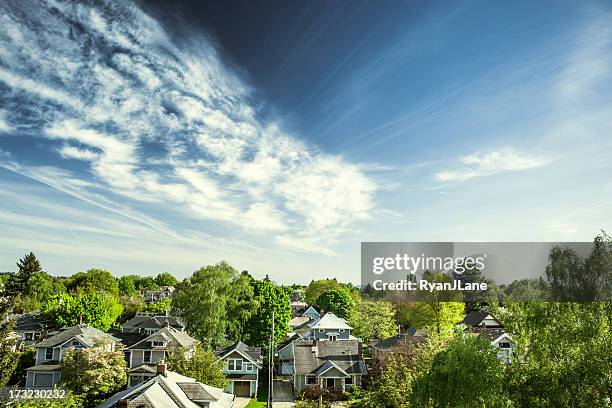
{"points": [[269, 298], [202, 365], [99, 310], [94, 371], [159, 307], [373, 319], [336, 301], [127, 285], [165, 279], [92, 281], [316, 288]]}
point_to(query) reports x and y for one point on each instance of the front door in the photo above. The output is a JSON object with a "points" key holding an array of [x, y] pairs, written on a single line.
{"points": [[329, 383], [242, 388]]}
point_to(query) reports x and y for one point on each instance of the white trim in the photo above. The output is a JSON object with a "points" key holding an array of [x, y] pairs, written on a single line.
{"points": [[502, 336], [333, 365], [242, 354]]}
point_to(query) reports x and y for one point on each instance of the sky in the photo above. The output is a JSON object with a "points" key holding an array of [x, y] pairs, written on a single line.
{"points": [[164, 136]]}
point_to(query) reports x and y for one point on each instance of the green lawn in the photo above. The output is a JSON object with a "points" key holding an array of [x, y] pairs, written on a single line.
{"points": [[262, 398]]}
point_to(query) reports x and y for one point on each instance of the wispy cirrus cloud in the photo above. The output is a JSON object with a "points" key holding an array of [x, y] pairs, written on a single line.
{"points": [[166, 123], [482, 163]]}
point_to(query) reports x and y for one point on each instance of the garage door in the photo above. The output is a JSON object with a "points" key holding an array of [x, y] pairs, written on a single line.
{"points": [[242, 388]]}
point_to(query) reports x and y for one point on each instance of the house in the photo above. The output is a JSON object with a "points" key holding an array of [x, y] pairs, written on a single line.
{"points": [[167, 389], [400, 344], [149, 323], [156, 295], [312, 313], [298, 307], [329, 327], [483, 324], [30, 328], [50, 352], [142, 355], [334, 365], [241, 365]]}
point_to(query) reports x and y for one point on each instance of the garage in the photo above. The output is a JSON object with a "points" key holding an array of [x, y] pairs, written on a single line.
{"points": [[242, 388]]}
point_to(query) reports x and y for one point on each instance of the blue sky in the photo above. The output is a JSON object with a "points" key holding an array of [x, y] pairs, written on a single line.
{"points": [[143, 138]]}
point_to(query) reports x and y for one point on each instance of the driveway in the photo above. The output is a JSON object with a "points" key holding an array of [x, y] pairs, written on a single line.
{"points": [[241, 402], [283, 394]]}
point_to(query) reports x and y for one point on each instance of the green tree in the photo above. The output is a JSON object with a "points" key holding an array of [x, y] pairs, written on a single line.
{"points": [[241, 305], [392, 387], [201, 300], [94, 280], [127, 285], [317, 287], [336, 301], [12, 292], [99, 310], [270, 298], [527, 290], [159, 307], [373, 319], [131, 305], [202, 365], [146, 282], [466, 374], [166, 279], [39, 288], [94, 372]]}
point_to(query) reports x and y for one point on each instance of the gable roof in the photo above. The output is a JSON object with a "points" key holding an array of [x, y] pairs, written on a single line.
{"points": [[475, 318], [171, 391], [152, 322], [253, 354], [173, 337], [86, 334], [331, 321], [311, 311], [399, 340], [32, 322], [310, 356]]}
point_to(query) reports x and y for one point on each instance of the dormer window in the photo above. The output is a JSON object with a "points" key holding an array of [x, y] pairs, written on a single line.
{"points": [[158, 344], [76, 343]]}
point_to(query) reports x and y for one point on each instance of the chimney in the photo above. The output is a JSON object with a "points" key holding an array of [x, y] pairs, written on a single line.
{"points": [[161, 368]]}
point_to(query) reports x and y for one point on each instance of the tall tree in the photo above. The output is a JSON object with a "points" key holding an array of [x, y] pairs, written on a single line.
{"points": [[201, 300], [127, 285], [336, 301], [202, 365], [317, 287], [270, 298]]}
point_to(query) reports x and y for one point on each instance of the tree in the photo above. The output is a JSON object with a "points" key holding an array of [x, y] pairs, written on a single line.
{"points": [[131, 305], [557, 346], [527, 290], [373, 319], [39, 288], [202, 299], [127, 285], [94, 280], [146, 282], [165, 279], [94, 372], [391, 388], [270, 298], [336, 301], [466, 374], [316, 288], [202, 365], [159, 307], [12, 291], [240, 307], [99, 310]]}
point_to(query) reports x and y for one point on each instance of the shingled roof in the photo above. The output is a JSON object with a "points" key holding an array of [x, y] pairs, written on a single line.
{"points": [[252, 353], [311, 355], [86, 334]]}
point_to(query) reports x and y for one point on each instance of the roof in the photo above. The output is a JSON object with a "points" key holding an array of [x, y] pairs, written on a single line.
{"points": [[174, 338], [331, 321], [492, 333], [311, 310], [310, 356], [475, 317], [252, 353], [129, 339], [171, 391], [152, 322], [86, 334], [32, 322], [399, 340]]}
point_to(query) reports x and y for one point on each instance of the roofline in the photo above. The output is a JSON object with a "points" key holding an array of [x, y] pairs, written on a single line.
{"points": [[243, 355], [332, 366]]}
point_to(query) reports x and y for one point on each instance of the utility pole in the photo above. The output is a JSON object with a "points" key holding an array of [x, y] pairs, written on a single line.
{"points": [[271, 366]]}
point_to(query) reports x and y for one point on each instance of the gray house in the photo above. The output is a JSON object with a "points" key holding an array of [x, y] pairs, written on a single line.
{"points": [[143, 355], [50, 352], [31, 328], [334, 365], [241, 365], [329, 327], [149, 323], [167, 389]]}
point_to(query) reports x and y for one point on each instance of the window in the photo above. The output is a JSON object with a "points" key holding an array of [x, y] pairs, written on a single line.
{"points": [[76, 343], [43, 380], [248, 366], [348, 381], [159, 344], [147, 356], [49, 353], [332, 337], [234, 364], [311, 380], [341, 330], [127, 355], [28, 336], [504, 345]]}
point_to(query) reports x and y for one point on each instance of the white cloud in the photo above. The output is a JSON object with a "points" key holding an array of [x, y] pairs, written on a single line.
{"points": [[4, 126], [219, 161], [488, 163]]}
